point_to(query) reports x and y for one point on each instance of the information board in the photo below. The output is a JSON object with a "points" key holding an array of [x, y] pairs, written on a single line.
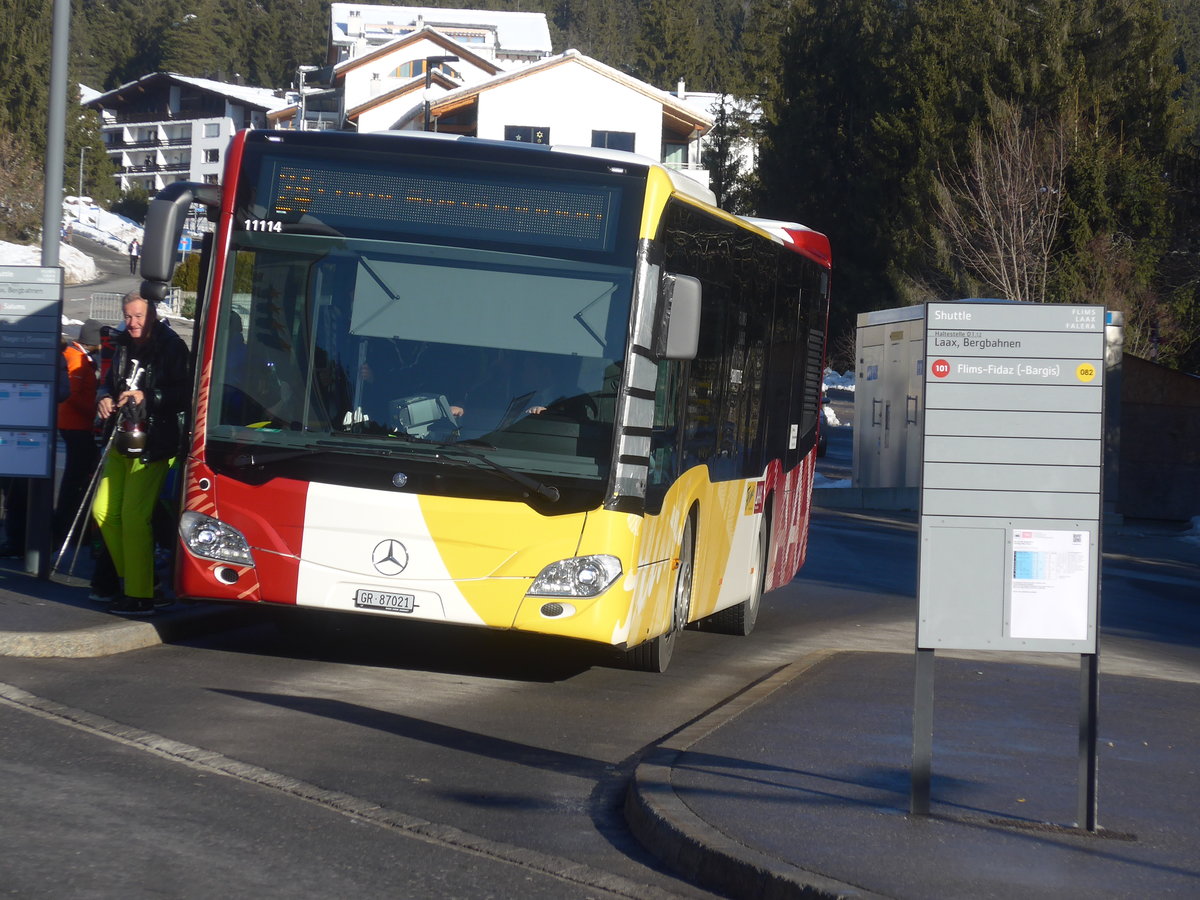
{"points": [[1013, 450], [30, 358]]}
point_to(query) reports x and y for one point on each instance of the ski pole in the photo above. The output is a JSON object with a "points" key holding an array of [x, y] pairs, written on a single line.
{"points": [[85, 503], [134, 378]]}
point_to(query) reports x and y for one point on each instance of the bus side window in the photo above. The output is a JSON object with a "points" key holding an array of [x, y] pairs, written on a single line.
{"points": [[664, 441]]}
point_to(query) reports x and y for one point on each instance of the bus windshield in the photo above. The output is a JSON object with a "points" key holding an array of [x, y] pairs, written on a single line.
{"points": [[371, 345]]}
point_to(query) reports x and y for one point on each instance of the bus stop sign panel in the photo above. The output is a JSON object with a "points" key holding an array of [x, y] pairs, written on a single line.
{"points": [[1011, 477]]}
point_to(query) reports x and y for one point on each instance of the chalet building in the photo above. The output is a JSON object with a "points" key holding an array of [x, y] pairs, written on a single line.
{"points": [[506, 39], [165, 127], [481, 73], [490, 75], [569, 99]]}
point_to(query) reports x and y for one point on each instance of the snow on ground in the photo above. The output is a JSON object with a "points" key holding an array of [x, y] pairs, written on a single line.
{"points": [[106, 228], [843, 382], [835, 381], [84, 218], [78, 267]]}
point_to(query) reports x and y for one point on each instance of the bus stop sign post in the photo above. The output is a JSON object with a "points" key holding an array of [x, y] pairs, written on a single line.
{"points": [[1011, 498], [30, 324]]}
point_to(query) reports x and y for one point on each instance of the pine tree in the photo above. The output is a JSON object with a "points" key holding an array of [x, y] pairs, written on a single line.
{"points": [[602, 29], [761, 31], [680, 42], [838, 154], [25, 37]]}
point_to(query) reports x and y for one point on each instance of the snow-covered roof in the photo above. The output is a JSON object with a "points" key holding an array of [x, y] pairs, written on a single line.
{"points": [[263, 98], [425, 34], [515, 31], [672, 105]]}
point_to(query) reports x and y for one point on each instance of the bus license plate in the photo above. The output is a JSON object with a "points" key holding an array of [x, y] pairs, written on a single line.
{"points": [[403, 603]]}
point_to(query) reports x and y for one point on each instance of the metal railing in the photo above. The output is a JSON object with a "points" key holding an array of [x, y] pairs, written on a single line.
{"points": [[147, 143], [106, 305]]}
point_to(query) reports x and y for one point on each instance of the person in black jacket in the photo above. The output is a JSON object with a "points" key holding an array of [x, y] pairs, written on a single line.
{"points": [[148, 408]]}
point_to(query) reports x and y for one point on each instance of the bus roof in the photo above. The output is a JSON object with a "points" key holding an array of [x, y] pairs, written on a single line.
{"points": [[800, 238]]}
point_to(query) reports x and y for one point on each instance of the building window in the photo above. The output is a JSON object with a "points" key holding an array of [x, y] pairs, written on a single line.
{"points": [[210, 179], [212, 156], [415, 67], [212, 129], [528, 134], [675, 154], [613, 140], [471, 36]]}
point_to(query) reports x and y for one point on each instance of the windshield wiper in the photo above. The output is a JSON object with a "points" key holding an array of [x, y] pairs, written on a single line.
{"points": [[546, 491], [256, 457], [248, 458], [356, 449]]}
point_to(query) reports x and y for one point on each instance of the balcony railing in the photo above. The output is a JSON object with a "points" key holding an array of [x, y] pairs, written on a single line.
{"points": [[692, 170], [148, 143], [137, 118], [157, 167]]}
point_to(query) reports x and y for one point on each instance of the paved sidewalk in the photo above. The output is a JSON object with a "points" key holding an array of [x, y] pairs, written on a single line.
{"points": [[55, 619], [799, 786], [804, 789]]}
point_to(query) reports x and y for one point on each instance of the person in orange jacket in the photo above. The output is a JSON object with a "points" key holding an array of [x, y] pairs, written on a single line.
{"points": [[76, 415]]}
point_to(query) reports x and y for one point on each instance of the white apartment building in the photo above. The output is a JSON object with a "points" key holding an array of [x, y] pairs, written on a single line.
{"points": [[165, 127]]}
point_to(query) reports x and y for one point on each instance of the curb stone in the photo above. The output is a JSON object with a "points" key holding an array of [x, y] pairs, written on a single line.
{"points": [[703, 854], [120, 636]]}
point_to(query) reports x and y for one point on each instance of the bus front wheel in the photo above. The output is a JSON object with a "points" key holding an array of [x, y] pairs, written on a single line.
{"points": [[655, 654]]}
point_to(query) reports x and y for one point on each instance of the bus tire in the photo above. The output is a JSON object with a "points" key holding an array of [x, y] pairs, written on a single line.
{"points": [[655, 654], [740, 618]]}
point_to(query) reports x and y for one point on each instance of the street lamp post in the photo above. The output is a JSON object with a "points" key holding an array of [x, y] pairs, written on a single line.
{"points": [[430, 62], [301, 72]]}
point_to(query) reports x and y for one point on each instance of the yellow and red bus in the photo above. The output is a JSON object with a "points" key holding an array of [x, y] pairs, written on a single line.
{"points": [[518, 387]]}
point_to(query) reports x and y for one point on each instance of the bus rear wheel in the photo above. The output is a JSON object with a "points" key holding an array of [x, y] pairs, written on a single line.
{"points": [[740, 619], [655, 654]]}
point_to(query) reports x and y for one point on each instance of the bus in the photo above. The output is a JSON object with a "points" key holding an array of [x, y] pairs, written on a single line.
{"points": [[551, 390]]}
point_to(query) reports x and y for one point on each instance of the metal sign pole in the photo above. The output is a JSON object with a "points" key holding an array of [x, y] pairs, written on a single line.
{"points": [[38, 536], [922, 766], [1089, 703]]}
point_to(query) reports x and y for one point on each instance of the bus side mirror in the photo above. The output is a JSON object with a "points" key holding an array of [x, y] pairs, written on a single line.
{"points": [[681, 335], [164, 226]]}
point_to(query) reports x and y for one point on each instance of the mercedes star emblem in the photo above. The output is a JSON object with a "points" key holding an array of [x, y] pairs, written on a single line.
{"points": [[389, 557]]}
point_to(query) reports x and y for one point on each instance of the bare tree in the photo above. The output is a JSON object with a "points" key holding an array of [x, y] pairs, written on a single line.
{"points": [[1000, 211]]}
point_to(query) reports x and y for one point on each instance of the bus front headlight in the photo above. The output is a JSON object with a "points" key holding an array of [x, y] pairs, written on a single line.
{"points": [[579, 576], [213, 539]]}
